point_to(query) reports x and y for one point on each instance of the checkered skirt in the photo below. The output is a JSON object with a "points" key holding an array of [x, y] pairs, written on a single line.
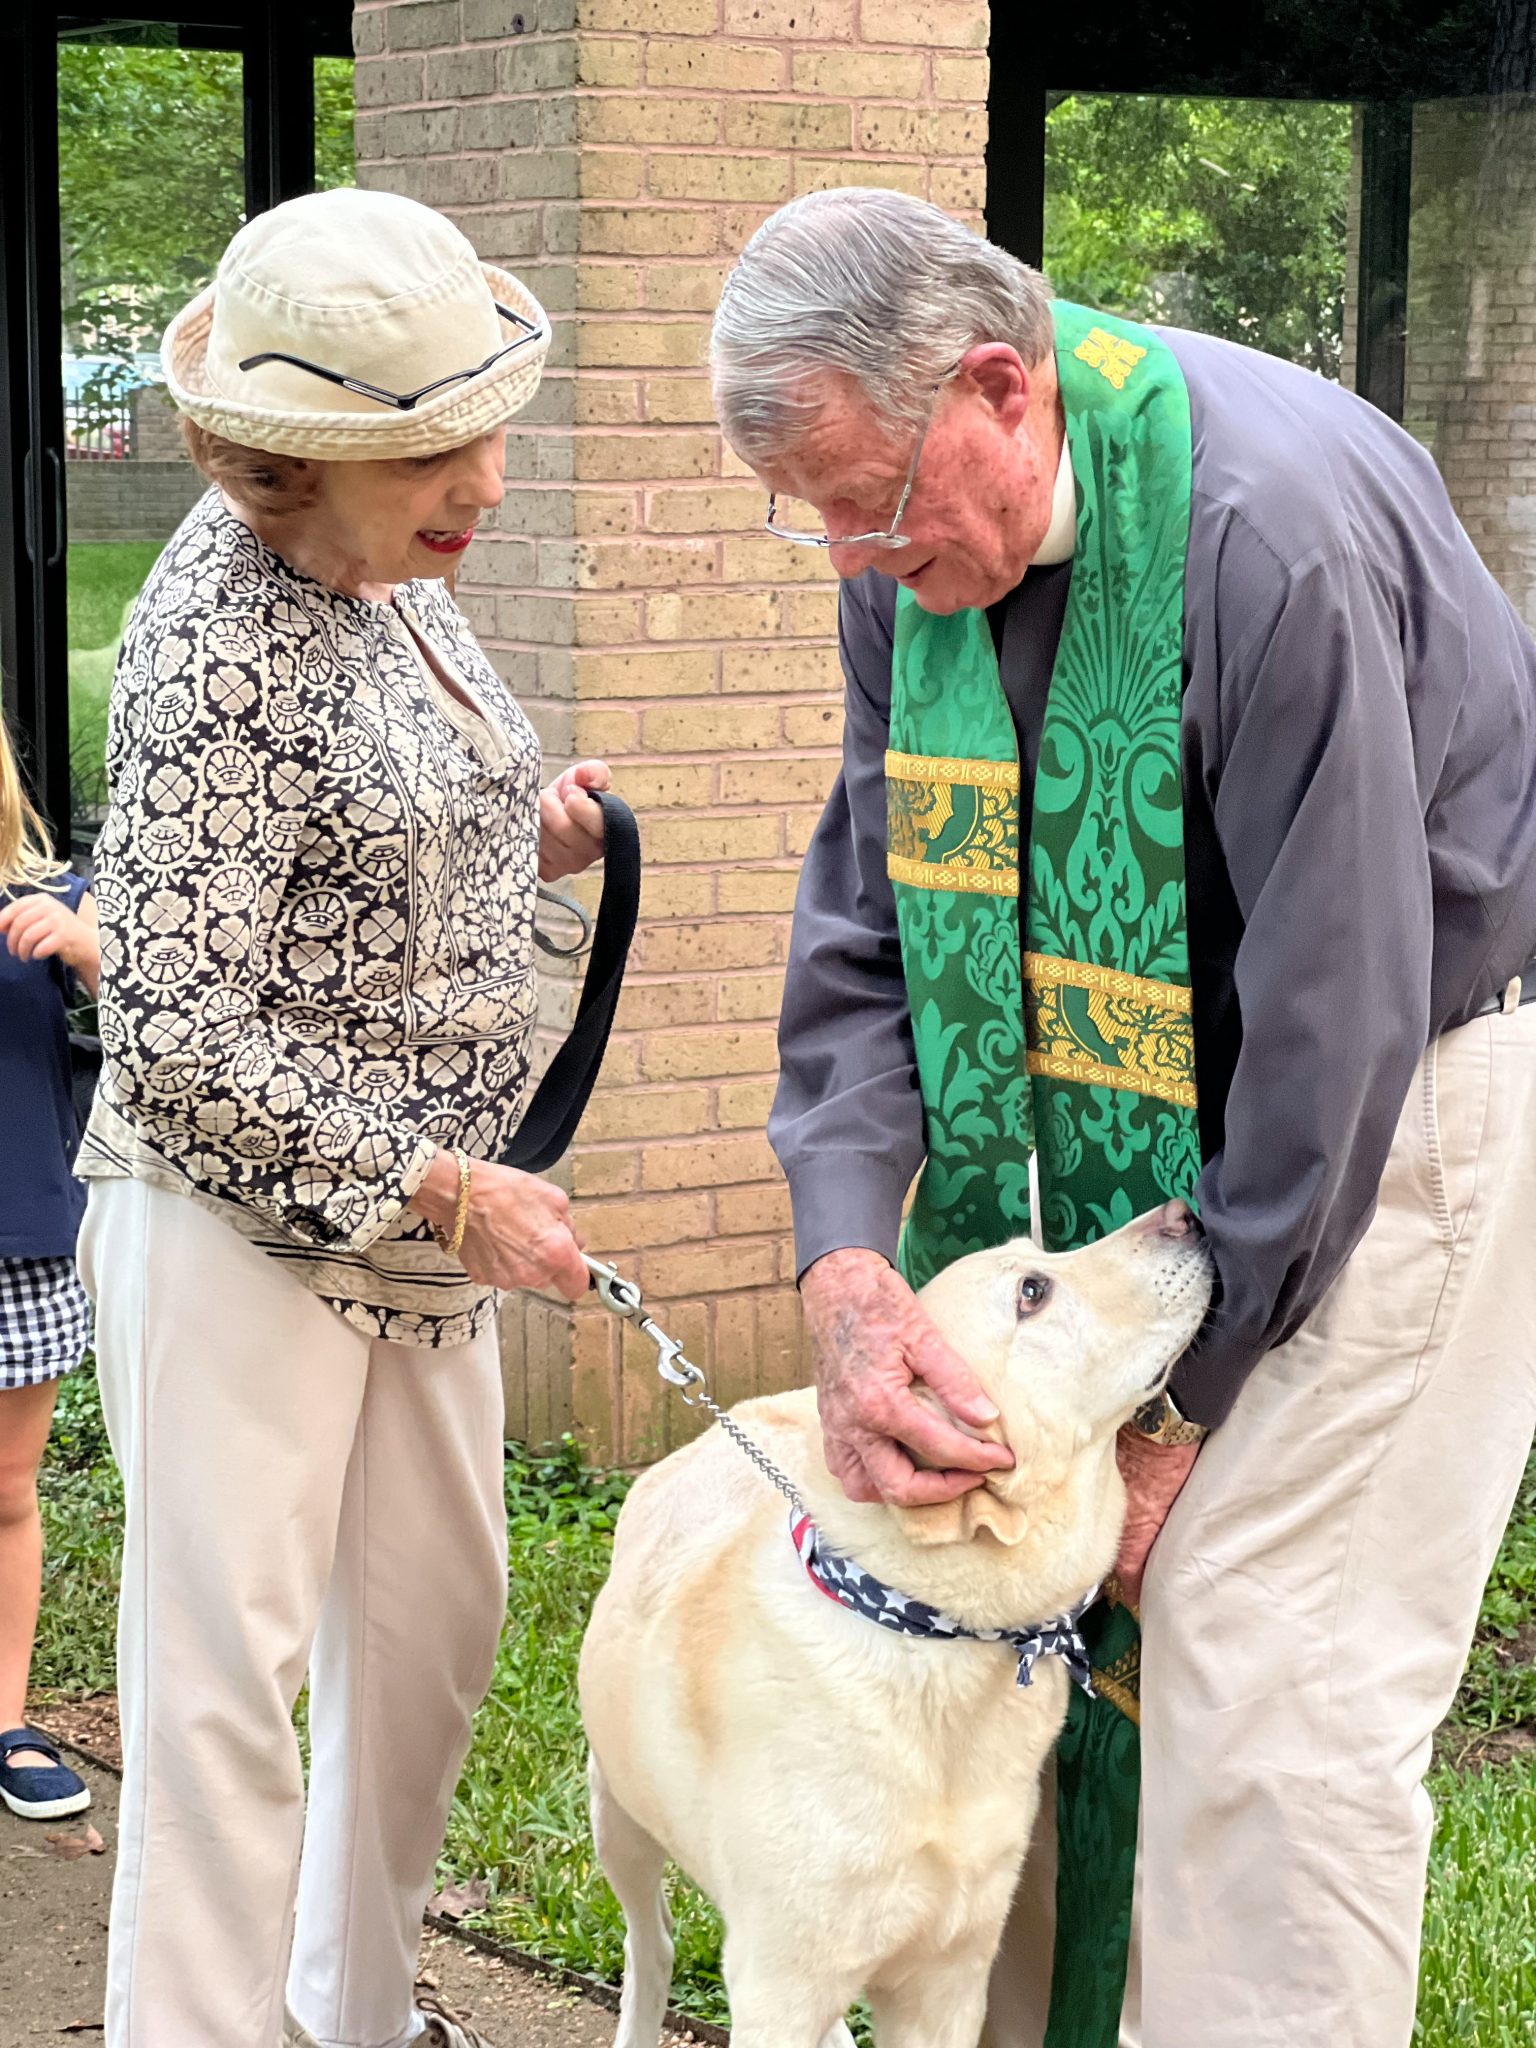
{"points": [[45, 1320]]}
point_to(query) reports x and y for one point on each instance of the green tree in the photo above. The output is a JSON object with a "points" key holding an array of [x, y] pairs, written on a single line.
{"points": [[152, 179], [335, 141], [1224, 215], [151, 188]]}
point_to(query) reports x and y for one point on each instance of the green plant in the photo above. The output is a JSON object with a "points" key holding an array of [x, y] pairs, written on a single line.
{"points": [[1499, 1689], [78, 1442], [551, 1492], [1477, 1980], [519, 1816], [81, 1498]]}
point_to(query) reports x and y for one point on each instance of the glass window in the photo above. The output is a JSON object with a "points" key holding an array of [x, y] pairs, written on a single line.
{"points": [[151, 187], [1388, 241], [335, 106], [1226, 215]]}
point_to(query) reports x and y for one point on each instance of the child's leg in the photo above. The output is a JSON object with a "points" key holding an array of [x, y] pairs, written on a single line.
{"points": [[26, 1414]]}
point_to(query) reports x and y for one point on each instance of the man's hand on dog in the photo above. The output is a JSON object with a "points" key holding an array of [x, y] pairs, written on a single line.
{"points": [[874, 1349], [1154, 1476]]}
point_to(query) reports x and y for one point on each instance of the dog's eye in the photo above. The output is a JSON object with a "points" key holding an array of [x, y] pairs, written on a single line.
{"points": [[1033, 1289]]}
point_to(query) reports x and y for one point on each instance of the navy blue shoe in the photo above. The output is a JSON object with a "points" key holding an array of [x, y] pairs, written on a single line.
{"points": [[39, 1791]]}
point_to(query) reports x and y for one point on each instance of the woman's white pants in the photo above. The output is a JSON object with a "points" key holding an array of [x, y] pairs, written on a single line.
{"points": [[300, 1498]]}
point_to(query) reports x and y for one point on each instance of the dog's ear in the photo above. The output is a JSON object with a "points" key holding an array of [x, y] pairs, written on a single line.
{"points": [[986, 1512], [979, 1512]]}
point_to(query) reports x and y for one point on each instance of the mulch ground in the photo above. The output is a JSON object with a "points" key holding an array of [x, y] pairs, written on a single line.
{"points": [[87, 1725], [56, 1887]]}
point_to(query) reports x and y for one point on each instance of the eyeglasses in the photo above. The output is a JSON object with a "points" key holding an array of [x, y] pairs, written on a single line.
{"points": [[405, 401], [888, 537]]}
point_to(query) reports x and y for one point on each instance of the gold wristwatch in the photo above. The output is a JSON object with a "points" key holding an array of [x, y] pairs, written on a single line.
{"points": [[1160, 1422]]}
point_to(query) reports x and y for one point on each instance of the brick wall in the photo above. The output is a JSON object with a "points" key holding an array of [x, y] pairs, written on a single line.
{"points": [[617, 154], [1471, 371], [145, 497], [156, 426], [130, 500]]}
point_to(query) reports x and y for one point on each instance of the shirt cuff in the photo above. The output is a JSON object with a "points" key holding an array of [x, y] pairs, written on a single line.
{"points": [[353, 1214], [842, 1201], [1209, 1377]]}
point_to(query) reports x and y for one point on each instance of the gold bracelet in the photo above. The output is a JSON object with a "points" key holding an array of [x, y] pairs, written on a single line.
{"points": [[461, 1215]]}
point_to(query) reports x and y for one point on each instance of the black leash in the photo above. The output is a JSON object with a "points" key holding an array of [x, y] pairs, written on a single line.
{"points": [[555, 1108]]}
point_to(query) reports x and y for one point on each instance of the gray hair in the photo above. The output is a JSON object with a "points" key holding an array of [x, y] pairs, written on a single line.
{"points": [[873, 285]]}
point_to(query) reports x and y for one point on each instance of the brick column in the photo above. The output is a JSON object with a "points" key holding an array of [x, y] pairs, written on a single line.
{"points": [[617, 154], [1471, 395]]}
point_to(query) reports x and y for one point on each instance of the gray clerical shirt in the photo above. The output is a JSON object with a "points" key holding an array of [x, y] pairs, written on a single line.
{"points": [[1359, 756]]}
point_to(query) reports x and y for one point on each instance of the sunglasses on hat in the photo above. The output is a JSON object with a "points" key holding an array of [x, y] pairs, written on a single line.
{"points": [[404, 401]]}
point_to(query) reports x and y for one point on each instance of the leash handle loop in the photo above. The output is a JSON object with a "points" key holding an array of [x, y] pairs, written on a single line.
{"points": [[582, 943], [554, 1109]]}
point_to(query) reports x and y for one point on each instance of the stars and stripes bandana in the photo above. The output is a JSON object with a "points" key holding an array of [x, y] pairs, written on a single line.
{"points": [[840, 1579]]}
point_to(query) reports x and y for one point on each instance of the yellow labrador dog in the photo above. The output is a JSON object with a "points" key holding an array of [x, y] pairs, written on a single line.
{"points": [[858, 1801]]}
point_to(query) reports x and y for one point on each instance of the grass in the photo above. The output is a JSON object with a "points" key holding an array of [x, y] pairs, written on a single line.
{"points": [[104, 579], [82, 1503], [1499, 1690], [519, 1815], [1477, 1981]]}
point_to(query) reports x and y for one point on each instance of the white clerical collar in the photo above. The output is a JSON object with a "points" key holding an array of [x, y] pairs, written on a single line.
{"points": [[1060, 543]]}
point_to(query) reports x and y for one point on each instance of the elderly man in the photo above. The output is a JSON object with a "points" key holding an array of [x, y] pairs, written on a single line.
{"points": [[1185, 843]]}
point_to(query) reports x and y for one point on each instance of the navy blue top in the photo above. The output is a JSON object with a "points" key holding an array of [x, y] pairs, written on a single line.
{"points": [[41, 1203]]}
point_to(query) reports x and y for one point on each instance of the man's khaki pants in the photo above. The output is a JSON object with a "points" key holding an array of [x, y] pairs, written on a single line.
{"points": [[298, 1495], [1311, 1601]]}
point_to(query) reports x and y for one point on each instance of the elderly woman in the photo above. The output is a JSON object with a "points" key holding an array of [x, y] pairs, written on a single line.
{"points": [[317, 888]]}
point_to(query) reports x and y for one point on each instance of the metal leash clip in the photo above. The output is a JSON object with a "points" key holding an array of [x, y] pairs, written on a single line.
{"points": [[622, 1298]]}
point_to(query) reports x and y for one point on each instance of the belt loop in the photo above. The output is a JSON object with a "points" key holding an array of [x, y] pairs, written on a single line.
{"points": [[1512, 993]]}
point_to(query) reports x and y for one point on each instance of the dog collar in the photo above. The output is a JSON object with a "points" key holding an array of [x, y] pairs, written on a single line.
{"points": [[840, 1579]]}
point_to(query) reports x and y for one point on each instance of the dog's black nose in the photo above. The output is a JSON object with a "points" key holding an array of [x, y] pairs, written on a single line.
{"points": [[1177, 1219]]}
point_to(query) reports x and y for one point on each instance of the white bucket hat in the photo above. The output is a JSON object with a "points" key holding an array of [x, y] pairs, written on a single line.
{"points": [[362, 286]]}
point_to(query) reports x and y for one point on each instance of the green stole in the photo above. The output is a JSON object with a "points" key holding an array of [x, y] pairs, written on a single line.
{"points": [[1075, 1043]]}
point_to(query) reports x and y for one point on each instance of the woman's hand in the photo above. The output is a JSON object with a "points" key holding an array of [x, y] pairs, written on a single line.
{"points": [[43, 927], [570, 822], [518, 1231]]}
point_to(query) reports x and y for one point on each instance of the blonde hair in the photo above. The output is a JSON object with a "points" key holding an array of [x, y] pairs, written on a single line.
{"points": [[26, 859]]}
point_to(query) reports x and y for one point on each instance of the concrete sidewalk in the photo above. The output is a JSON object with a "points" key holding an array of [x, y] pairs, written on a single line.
{"points": [[53, 1951]]}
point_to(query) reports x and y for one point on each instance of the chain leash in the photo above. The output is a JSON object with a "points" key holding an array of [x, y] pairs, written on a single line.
{"points": [[623, 1299]]}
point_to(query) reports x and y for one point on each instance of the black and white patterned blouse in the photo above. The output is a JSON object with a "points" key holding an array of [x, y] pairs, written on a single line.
{"points": [[316, 885]]}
